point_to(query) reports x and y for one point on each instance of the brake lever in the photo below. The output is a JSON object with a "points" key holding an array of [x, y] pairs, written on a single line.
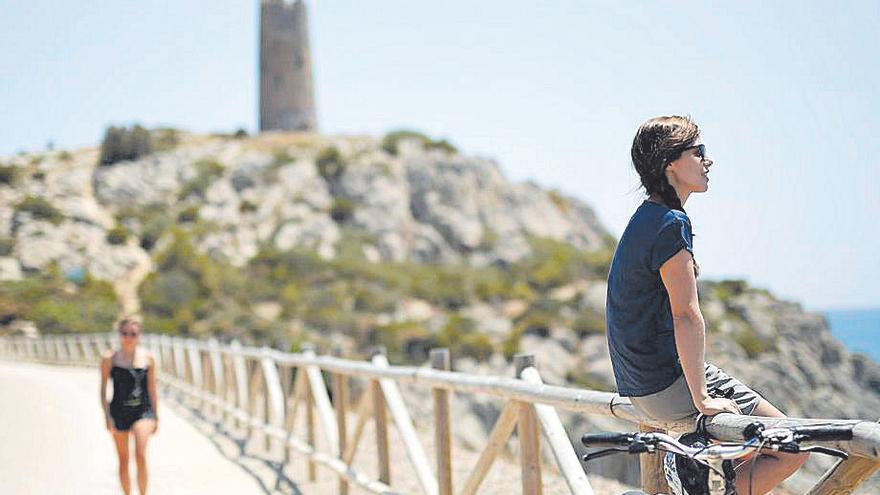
{"points": [[604, 453]]}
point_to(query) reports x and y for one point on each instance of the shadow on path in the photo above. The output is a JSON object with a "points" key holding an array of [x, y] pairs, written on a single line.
{"points": [[234, 448]]}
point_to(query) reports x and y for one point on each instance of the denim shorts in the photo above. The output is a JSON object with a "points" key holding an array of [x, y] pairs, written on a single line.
{"points": [[675, 402]]}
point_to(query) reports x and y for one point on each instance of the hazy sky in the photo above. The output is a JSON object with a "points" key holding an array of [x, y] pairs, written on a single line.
{"points": [[786, 94]]}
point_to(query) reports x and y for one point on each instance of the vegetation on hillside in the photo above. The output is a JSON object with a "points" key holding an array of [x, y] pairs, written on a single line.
{"points": [[392, 139], [121, 143], [192, 294], [59, 304]]}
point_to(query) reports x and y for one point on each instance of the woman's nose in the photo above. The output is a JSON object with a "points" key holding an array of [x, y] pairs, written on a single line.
{"points": [[708, 162]]}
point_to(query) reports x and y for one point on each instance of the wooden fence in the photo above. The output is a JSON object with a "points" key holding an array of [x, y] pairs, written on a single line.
{"points": [[264, 391]]}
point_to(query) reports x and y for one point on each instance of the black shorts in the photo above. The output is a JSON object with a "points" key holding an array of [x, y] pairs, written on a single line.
{"points": [[124, 417]]}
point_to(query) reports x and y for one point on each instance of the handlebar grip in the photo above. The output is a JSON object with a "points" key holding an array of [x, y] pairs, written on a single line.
{"points": [[824, 432], [607, 439]]}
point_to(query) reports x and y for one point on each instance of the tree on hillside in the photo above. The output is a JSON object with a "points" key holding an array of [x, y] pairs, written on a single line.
{"points": [[124, 144]]}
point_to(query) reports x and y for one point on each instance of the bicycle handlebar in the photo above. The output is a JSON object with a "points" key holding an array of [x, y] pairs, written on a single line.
{"points": [[780, 439], [819, 432], [606, 439]]}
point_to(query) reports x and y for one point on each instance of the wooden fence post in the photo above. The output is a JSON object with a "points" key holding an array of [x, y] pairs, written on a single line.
{"points": [[179, 358], [309, 402], [380, 415], [274, 403], [529, 437], [440, 360], [845, 476], [651, 467], [218, 375], [340, 400], [567, 460], [406, 430], [239, 369]]}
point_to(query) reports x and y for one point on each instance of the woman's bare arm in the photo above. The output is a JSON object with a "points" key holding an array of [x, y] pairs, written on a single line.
{"points": [[151, 384], [106, 364], [690, 330]]}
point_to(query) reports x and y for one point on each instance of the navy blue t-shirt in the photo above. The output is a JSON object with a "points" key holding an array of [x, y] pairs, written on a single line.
{"points": [[641, 336]]}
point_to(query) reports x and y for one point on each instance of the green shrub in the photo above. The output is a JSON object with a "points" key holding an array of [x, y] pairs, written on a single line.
{"points": [[39, 208], [390, 141], [152, 228], [166, 139], [478, 346], [341, 210], [460, 336], [121, 144], [407, 342], [240, 133], [372, 298], [552, 264], [330, 164], [247, 207], [555, 263], [189, 214], [280, 158], [455, 328], [490, 240], [492, 285], [443, 145], [752, 342], [587, 380], [49, 302], [117, 235], [589, 323], [559, 200], [65, 156], [445, 285], [510, 345], [536, 323], [7, 245], [8, 174], [207, 170], [727, 289]]}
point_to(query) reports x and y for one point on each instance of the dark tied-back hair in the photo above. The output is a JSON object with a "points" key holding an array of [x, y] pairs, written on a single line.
{"points": [[659, 142], [127, 322]]}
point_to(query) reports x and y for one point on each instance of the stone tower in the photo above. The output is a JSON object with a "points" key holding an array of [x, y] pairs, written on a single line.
{"points": [[287, 100]]}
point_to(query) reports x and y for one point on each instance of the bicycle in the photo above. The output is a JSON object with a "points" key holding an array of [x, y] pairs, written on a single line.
{"points": [[694, 466]]}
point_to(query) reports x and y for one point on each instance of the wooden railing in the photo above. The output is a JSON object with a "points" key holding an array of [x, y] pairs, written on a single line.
{"points": [[264, 391]]}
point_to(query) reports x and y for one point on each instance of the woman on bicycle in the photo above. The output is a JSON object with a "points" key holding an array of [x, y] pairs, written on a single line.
{"points": [[656, 333], [135, 404]]}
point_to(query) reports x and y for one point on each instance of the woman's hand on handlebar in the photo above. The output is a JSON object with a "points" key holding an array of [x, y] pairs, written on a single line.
{"points": [[714, 405]]}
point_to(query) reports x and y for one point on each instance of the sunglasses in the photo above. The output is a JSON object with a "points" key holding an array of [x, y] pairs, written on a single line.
{"points": [[701, 150], [129, 334]]}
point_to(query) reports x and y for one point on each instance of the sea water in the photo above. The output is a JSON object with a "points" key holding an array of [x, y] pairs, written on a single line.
{"points": [[858, 329]]}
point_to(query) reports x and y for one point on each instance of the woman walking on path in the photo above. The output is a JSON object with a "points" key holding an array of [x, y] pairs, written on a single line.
{"points": [[656, 333], [135, 403]]}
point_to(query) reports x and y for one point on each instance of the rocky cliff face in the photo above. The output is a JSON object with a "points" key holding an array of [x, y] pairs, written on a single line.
{"points": [[425, 205], [414, 203]]}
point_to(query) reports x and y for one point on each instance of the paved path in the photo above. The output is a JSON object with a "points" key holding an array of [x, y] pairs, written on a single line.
{"points": [[53, 441]]}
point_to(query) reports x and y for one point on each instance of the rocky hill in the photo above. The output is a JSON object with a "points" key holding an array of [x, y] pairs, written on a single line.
{"points": [[357, 241]]}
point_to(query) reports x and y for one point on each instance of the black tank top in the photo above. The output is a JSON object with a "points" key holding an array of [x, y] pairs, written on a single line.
{"points": [[130, 388]]}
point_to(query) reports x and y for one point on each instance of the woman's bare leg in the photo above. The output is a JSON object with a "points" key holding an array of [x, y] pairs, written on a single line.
{"points": [[769, 468], [142, 429], [120, 438]]}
